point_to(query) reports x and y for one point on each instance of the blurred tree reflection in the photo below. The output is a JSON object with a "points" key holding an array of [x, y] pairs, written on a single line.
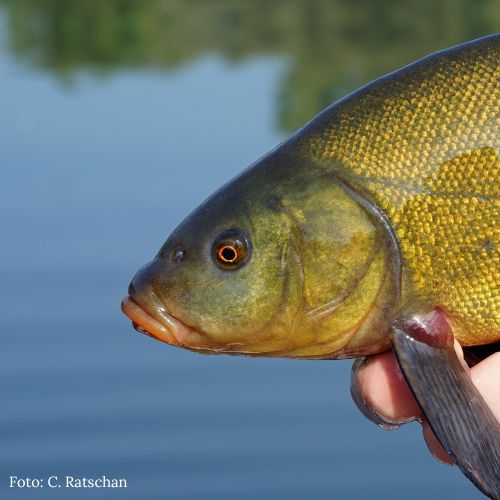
{"points": [[334, 46]]}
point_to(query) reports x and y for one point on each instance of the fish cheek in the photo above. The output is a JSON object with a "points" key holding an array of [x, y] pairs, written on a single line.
{"points": [[228, 305]]}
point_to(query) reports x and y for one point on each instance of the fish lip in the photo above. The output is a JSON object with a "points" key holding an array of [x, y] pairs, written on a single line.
{"points": [[169, 329]]}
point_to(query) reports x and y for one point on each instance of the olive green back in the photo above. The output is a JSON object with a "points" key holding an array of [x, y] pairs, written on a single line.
{"points": [[423, 143]]}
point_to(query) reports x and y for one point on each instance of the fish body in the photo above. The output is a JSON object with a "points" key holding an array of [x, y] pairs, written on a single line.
{"points": [[384, 205], [373, 226]]}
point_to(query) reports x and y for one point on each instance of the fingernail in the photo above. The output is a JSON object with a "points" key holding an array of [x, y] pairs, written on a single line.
{"points": [[356, 393]]}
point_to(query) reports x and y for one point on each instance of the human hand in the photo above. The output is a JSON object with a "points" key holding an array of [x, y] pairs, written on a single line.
{"points": [[381, 393]]}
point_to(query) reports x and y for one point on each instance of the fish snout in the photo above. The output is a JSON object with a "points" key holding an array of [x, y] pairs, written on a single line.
{"points": [[147, 311], [141, 286]]}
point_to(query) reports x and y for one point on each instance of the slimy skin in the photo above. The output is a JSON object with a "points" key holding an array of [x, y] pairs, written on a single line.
{"points": [[383, 206]]}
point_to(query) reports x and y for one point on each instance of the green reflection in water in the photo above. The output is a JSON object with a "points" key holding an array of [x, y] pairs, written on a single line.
{"points": [[333, 46]]}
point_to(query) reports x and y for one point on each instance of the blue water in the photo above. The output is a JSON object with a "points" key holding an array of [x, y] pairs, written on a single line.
{"points": [[95, 172]]}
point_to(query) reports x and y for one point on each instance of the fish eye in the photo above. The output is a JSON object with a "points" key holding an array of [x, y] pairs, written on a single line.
{"points": [[230, 249]]}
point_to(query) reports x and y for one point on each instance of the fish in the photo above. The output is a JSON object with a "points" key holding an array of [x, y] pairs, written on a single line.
{"points": [[373, 227]]}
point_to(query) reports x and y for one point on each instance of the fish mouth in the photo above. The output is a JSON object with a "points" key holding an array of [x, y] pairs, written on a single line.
{"points": [[169, 329], [173, 331]]}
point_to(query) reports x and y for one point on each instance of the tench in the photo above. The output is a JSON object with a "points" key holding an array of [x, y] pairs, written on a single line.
{"points": [[354, 235]]}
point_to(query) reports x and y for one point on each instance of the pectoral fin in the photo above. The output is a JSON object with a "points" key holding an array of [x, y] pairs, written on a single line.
{"points": [[454, 408]]}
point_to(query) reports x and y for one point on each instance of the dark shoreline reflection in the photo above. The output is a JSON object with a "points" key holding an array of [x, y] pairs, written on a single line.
{"points": [[333, 46]]}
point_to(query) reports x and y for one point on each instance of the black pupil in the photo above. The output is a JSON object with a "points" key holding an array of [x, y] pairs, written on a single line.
{"points": [[228, 254]]}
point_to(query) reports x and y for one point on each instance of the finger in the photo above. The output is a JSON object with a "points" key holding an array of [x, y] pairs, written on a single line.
{"points": [[381, 393], [485, 376], [432, 442]]}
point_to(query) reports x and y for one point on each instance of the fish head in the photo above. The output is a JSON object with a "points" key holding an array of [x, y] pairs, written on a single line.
{"points": [[276, 263]]}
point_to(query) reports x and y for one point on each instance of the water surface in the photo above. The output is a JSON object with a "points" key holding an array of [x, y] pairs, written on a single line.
{"points": [[117, 119]]}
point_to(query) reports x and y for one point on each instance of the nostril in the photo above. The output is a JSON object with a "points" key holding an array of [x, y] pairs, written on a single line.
{"points": [[178, 255]]}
